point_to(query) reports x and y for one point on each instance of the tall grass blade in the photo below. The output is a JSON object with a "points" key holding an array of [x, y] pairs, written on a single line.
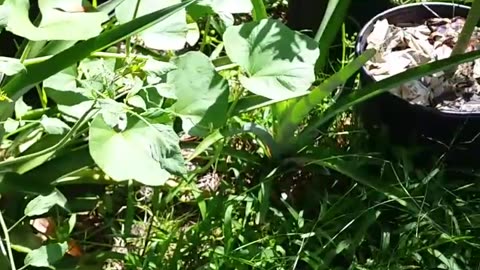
{"points": [[297, 113], [385, 85], [327, 32]]}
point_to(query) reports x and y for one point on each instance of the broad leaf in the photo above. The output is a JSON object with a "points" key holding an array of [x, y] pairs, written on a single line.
{"points": [[170, 34], [53, 125], [42, 204], [10, 66], [278, 61], [148, 153], [22, 82], [47, 255], [61, 20], [201, 92]]}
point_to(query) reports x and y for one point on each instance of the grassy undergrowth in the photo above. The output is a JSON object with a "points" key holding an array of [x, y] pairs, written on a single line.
{"points": [[122, 152]]}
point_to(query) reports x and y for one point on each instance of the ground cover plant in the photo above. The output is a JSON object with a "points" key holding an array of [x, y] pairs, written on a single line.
{"points": [[209, 135]]}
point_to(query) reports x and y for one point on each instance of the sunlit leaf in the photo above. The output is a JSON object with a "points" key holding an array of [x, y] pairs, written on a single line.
{"points": [[201, 92], [278, 61], [170, 34], [58, 19], [148, 153]]}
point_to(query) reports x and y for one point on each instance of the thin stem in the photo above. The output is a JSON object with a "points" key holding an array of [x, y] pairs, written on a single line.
{"points": [[465, 36], [7, 241], [16, 223], [53, 148], [205, 34], [467, 30], [130, 210], [127, 42]]}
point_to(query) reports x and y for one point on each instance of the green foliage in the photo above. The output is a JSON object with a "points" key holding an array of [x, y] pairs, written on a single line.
{"points": [[276, 60], [201, 93], [180, 132], [146, 152]]}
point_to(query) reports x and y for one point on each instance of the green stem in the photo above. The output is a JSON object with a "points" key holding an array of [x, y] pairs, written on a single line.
{"points": [[127, 42], [465, 36], [7, 241], [53, 148], [36, 60], [16, 223], [205, 34], [259, 11], [130, 210]]}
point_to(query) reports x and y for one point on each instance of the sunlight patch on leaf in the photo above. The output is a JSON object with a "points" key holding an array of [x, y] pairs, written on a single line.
{"points": [[278, 61], [202, 93], [170, 34], [57, 22], [147, 153]]}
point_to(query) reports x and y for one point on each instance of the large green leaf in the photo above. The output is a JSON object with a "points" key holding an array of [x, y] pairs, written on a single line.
{"points": [[278, 61], [148, 153], [42, 204], [60, 20], [202, 94], [170, 34], [47, 255], [22, 82]]}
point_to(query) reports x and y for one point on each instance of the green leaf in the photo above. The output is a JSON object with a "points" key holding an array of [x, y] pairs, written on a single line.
{"points": [[227, 6], [46, 256], [170, 34], [148, 153], [259, 11], [332, 20], [300, 109], [22, 82], [202, 94], [56, 21], [11, 125], [223, 8], [42, 204], [114, 114], [53, 125], [21, 108], [10, 66], [279, 62]]}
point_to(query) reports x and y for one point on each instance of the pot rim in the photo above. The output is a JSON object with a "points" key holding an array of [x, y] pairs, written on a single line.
{"points": [[359, 50]]}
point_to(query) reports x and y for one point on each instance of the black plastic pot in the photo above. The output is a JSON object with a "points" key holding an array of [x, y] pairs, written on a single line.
{"points": [[403, 120]]}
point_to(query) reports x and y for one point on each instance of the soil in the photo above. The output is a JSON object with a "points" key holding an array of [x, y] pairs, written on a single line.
{"points": [[400, 47]]}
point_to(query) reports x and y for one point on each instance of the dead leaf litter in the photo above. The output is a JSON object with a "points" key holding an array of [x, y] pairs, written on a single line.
{"points": [[400, 47]]}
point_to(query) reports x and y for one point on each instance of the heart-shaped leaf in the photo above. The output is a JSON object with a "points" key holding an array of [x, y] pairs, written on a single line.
{"points": [[201, 92], [279, 62], [170, 34], [148, 153], [58, 20]]}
